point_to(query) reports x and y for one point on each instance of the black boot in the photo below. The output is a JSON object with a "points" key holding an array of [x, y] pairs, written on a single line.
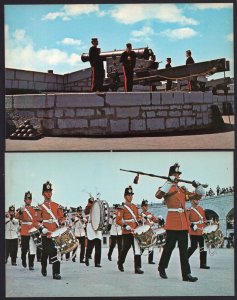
{"points": [[203, 260], [120, 266], [31, 261], [87, 261], [43, 271], [137, 263], [162, 273], [56, 276], [150, 258], [190, 278]]}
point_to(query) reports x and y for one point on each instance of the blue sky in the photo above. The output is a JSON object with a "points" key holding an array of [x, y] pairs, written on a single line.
{"points": [[74, 175], [43, 37]]}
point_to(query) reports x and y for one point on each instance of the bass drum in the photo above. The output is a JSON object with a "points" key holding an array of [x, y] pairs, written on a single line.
{"points": [[99, 215], [213, 237]]}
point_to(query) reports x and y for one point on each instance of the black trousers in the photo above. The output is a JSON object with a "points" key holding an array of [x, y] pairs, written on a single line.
{"points": [[115, 239], [81, 240], [49, 250], [173, 236], [168, 85], [25, 247], [97, 79], [128, 79], [198, 240], [90, 246], [11, 249], [128, 242]]}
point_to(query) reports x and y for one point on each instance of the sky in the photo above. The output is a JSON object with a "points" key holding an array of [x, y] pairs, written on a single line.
{"points": [[45, 37], [75, 175]]}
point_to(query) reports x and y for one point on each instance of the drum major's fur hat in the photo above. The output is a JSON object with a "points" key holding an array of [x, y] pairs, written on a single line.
{"points": [[128, 191], [174, 169], [47, 186], [28, 195], [144, 202], [11, 208]]}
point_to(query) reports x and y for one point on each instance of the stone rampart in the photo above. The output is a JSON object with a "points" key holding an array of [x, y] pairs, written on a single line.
{"points": [[88, 114]]}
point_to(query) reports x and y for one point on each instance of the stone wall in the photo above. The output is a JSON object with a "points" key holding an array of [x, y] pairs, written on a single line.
{"points": [[88, 114]]}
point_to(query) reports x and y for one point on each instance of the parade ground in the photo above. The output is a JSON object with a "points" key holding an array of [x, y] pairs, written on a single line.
{"points": [[78, 280]]}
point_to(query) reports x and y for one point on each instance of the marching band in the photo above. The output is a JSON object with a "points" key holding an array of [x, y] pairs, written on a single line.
{"points": [[49, 231]]}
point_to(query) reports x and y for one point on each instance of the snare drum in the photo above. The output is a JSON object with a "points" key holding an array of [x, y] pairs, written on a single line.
{"points": [[161, 236], [35, 234], [99, 215], [64, 240], [213, 236], [145, 236]]}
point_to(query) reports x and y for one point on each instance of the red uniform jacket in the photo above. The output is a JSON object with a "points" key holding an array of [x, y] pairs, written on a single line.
{"points": [[151, 218], [28, 221], [196, 219], [124, 217], [48, 221]]}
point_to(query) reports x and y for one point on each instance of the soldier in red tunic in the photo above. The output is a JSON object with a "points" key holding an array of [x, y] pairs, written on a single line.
{"points": [[128, 218], [28, 220], [52, 217], [197, 220], [177, 224]]}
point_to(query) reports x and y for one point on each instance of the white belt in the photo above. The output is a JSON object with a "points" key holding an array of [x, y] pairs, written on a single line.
{"points": [[49, 221], [199, 222], [180, 210], [26, 223], [129, 221]]}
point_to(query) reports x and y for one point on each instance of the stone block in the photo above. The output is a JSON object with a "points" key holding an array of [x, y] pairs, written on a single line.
{"points": [[175, 113], [119, 125], [108, 111], [9, 74], [24, 75], [23, 84], [58, 113], [79, 100], [155, 123], [84, 112], [15, 84], [50, 78], [79, 75], [190, 121], [150, 114], [48, 124], [172, 123], [8, 101], [59, 79], [197, 107], [45, 113], [208, 97], [41, 86], [99, 123], [206, 119], [178, 98], [69, 113], [193, 97], [39, 77], [199, 122], [33, 101], [187, 113], [156, 98], [8, 84], [162, 113], [25, 114], [72, 123], [182, 122], [167, 98], [128, 99], [138, 125], [204, 108], [127, 112]]}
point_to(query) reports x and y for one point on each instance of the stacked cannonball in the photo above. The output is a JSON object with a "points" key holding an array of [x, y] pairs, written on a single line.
{"points": [[25, 131]]}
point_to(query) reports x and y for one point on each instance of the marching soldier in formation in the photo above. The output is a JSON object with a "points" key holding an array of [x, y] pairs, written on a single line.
{"points": [[28, 218], [52, 217], [11, 235], [94, 237], [97, 66], [129, 218], [115, 233], [197, 220], [128, 60], [79, 226], [177, 224], [149, 219]]}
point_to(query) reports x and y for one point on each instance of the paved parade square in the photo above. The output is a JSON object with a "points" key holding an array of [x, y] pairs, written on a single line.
{"points": [[78, 280]]}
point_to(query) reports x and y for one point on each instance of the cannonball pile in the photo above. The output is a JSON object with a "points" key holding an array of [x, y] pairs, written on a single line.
{"points": [[25, 131]]}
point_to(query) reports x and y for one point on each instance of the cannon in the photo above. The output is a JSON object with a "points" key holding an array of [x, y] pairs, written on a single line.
{"points": [[147, 72]]}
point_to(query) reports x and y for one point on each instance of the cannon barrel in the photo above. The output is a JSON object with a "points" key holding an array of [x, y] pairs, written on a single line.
{"points": [[144, 53]]}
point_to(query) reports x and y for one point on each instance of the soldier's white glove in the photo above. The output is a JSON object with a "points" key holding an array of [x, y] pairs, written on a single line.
{"points": [[44, 230], [200, 190], [166, 187], [194, 227], [172, 178], [127, 227], [149, 216]]}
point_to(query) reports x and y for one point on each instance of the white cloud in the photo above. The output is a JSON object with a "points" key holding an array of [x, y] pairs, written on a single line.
{"points": [[179, 34], [20, 53], [230, 37], [74, 10], [130, 13], [144, 34], [203, 6], [71, 42]]}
